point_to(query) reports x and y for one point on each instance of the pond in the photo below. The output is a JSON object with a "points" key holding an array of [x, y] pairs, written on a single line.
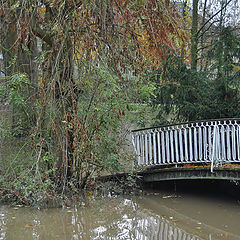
{"points": [[155, 215]]}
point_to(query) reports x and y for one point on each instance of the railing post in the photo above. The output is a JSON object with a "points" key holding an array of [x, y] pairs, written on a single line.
{"points": [[159, 147], [134, 147], [213, 148], [238, 141], [181, 143]]}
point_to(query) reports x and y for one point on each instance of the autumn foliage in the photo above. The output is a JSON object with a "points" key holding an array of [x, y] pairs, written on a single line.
{"points": [[83, 58]]}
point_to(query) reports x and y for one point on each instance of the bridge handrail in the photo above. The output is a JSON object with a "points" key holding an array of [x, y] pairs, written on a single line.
{"points": [[215, 141], [185, 123]]}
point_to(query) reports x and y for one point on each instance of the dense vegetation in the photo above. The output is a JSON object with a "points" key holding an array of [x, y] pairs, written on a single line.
{"points": [[211, 93], [209, 88], [77, 74]]}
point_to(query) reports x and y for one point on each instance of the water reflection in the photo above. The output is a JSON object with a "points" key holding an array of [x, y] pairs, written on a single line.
{"points": [[3, 221], [113, 218]]}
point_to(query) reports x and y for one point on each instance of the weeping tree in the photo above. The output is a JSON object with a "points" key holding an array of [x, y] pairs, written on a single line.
{"points": [[88, 57], [76, 77]]}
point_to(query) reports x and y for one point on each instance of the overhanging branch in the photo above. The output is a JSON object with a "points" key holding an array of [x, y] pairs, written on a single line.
{"points": [[214, 15]]}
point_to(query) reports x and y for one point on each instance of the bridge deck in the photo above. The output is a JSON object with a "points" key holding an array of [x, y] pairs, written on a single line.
{"points": [[199, 172]]}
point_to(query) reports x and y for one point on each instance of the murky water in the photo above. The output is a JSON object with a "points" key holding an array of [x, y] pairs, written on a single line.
{"points": [[159, 215]]}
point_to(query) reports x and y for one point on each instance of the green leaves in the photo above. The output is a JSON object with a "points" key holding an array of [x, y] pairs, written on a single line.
{"points": [[112, 163], [16, 84], [27, 50], [15, 6], [18, 79]]}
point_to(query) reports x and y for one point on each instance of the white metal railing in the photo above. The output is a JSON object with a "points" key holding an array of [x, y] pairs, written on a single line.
{"points": [[213, 141]]}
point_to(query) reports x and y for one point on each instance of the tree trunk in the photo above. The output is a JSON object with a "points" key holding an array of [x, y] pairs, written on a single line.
{"points": [[203, 35], [194, 37]]}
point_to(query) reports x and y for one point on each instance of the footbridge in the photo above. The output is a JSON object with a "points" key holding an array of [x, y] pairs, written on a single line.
{"points": [[208, 149]]}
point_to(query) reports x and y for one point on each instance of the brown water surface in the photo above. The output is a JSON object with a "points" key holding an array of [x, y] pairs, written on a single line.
{"points": [[155, 216]]}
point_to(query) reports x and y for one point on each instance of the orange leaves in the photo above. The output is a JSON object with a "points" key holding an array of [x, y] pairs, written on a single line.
{"points": [[157, 27], [41, 10]]}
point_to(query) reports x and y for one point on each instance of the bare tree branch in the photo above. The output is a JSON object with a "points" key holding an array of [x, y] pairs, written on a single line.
{"points": [[214, 15]]}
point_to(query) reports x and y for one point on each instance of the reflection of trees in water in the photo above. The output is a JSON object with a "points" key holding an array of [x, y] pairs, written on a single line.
{"points": [[110, 219]]}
